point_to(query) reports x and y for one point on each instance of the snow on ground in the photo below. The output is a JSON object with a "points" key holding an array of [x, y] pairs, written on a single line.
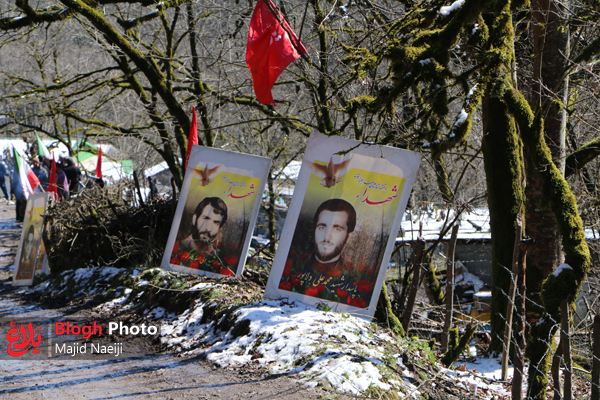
{"points": [[290, 336], [351, 354], [482, 373]]}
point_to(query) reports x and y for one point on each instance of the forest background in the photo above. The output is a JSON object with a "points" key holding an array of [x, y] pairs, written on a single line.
{"points": [[500, 96]]}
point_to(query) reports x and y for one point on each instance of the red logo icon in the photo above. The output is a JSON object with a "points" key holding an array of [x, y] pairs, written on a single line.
{"points": [[395, 189], [22, 339], [252, 186]]}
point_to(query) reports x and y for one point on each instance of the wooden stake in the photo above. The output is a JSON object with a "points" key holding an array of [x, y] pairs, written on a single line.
{"points": [[137, 186], [596, 360], [417, 263], [511, 300], [449, 287], [565, 339], [555, 372], [519, 362]]}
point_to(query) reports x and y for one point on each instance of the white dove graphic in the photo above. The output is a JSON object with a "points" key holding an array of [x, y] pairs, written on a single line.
{"points": [[330, 173], [205, 174]]}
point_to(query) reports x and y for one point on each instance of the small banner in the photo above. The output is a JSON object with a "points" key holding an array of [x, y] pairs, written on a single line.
{"points": [[342, 224], [28, 255], [216, 213]]}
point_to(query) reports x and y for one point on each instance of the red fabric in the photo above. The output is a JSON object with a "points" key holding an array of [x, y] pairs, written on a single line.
{"points": [[52, 180], [193, 138], [269, 50], [99, 163]]}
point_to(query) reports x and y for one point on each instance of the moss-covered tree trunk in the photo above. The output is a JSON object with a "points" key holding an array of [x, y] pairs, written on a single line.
{"points": [[551, 45], [385, 315], [502, 151], [503, 160], [557, 287]]}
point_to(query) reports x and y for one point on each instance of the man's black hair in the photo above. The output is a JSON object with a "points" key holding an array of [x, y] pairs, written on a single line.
{"points": [[336, 205], [218, 205]]}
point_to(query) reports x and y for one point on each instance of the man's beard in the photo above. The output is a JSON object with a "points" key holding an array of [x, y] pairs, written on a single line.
{"points": [[204, 237], [330, 255]]}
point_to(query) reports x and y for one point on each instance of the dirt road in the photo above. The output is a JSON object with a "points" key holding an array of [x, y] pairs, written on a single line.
{"points": [[162, 376]]}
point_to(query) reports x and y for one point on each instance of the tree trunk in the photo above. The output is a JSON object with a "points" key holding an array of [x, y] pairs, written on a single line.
{"points": [[417, 264], [556, 288], [502, 152], [551, 45]]}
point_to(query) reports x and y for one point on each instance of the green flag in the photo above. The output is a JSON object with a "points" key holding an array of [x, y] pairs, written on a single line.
{"points": [[42, 150]]}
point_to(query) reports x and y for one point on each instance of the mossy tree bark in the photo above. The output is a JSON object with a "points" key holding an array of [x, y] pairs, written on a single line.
{"points": [[550, 89], [556, 288], [504, 166], [384, 313], [502, 151]]}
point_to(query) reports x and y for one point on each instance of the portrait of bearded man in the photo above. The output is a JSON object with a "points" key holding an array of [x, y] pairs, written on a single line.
{"points": [[208, 219]]}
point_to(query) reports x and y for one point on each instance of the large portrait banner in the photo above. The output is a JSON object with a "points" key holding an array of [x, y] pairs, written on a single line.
{"points": [[28, 255], [342, 224], [216, 213]]}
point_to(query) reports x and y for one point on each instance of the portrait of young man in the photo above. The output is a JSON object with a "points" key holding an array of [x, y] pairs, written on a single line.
{"points": [[334, 221], [328, 268]]}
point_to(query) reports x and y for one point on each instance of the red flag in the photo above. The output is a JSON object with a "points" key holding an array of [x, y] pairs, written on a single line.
{"points": [[193, 138], [269, 50], [52, 188], [99, 163]]}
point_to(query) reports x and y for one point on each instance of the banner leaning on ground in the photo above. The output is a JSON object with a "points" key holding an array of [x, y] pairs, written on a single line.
{"points": [[342, 223], [216, 213], [29, 257]]}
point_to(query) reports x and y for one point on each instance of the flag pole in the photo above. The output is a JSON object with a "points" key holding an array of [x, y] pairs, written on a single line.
{"points": [[302, 23]]}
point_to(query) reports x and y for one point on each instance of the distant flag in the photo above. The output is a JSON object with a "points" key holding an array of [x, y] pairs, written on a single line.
{"points": [[269, 50], [52, 188], [42, 150], [99, 163], [193, 137], [27, 178]]}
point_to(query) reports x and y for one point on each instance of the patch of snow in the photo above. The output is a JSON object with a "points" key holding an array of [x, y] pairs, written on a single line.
{"points": [[473, 279], [479, 374], [461, 118], [561, 268], [472, 91], [290, 336], [204, 285], [446, 10], [83, 273], [158, 312]]}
